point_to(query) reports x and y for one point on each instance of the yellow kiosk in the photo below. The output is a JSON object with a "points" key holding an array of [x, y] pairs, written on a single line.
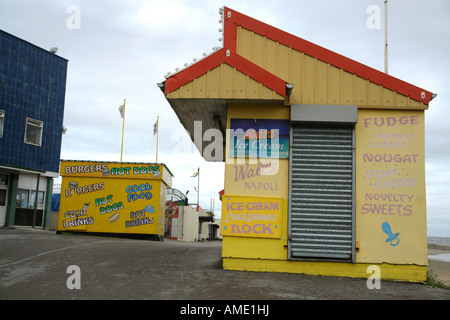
{"points": [[324, 156], [113, 197]]}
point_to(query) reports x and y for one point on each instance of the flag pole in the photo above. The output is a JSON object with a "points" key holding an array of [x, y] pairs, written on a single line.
{"points": [[123, 126], [157, 136], [385, 36], [198, 190]]}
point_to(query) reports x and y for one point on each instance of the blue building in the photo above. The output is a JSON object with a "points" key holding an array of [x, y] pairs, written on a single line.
{"points": [[32, 93]]}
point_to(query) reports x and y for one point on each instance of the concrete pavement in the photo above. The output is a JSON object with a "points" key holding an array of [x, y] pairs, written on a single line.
{"points": [[34, 264]]}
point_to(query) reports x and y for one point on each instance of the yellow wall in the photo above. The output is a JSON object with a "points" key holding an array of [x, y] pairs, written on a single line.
{"points": [[268, 182], [224, 82], [390, 186], [411, 273], [112, 197]]}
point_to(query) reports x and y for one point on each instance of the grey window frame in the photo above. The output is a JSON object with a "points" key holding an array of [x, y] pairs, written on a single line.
{"points": [[37, 124]]}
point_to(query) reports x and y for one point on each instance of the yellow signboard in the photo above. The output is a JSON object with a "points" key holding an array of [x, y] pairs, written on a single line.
{"points": [[113, 197], [390, 187], [251, 217]]}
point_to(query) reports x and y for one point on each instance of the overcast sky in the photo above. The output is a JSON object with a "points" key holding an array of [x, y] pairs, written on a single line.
{"points": [[119, 49]]}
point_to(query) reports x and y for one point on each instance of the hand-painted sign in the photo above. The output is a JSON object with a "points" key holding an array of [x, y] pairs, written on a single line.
{"points": [[251, 217], [259, 138], [113, 197], [391, 186]]}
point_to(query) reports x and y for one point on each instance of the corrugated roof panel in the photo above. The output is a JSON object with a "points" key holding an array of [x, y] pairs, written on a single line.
{"points": [[224, 82], [316, 81]]}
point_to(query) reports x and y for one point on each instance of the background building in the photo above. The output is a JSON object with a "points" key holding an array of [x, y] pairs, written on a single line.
{"points": [[185, 223], [32, 93]]}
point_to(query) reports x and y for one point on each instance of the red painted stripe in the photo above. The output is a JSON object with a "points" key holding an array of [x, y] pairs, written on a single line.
{"points": [[257, 73], [194, 71], [234, 60]]}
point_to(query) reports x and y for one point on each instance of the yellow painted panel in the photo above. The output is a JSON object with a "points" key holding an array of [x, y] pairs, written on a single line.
{"points": [[388, 97], [390, 187], [348, 88], [200, 87], [245, 43], [401, 100], [257, 178], [408, 273], [254, 90], [415, 104], [253, 248], [321, 82], [268, 94], [308, 83], [267, 111], [334, 85], [228, 84], [361, 91], [314, 83], [374, 98], [258, 52], [214, 82], [225, 82], [295, 76], [284, 59], [240, 87], [187, 91], [271, 57]]}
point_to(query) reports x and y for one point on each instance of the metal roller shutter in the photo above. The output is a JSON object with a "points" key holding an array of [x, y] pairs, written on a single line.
{"points": [[321, 194]]}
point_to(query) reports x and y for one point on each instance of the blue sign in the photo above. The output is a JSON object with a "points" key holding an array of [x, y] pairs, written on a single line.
{"points": [[259, 138]]}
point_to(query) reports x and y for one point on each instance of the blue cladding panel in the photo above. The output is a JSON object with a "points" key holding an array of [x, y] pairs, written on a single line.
{"points": [[33, 85]]}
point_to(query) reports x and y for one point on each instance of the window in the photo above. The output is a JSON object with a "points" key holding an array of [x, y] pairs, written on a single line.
{"points": [[2, 121], [3, 179], [22, 198], [27, 198], [33, 132], [40, 200]]}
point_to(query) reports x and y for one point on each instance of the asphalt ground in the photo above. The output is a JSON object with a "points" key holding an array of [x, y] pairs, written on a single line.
{"points": [[36, 265]]}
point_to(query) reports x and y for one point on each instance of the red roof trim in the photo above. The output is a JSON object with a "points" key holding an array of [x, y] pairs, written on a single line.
{"points": [[232, 59], [234, 19]]}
